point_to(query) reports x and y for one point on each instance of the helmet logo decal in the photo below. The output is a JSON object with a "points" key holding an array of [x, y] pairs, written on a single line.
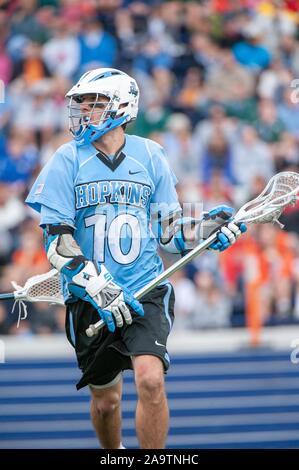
{"points": [[116, 96], [133, 89]]}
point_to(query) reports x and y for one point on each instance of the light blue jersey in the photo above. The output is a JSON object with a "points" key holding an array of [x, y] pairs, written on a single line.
{"points": [[110, 203]]}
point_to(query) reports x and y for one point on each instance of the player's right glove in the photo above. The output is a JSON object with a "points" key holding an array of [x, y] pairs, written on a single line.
{"points": [[96, 286]]}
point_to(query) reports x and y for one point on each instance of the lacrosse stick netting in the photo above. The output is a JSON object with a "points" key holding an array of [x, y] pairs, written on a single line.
{"points": [[281, 191], [40, 288]]}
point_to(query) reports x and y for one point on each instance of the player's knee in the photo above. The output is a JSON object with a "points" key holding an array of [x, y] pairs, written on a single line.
{"points": [[106, 405], [150, 386]]}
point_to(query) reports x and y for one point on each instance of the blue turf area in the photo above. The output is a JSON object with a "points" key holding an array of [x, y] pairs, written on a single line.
{"points": [[237, 400]]}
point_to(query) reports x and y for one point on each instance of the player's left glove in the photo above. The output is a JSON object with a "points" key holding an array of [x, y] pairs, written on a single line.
{"points": [[219, 219]]}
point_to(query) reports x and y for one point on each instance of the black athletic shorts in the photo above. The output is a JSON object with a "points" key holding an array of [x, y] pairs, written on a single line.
{"points": [[102, 357]]}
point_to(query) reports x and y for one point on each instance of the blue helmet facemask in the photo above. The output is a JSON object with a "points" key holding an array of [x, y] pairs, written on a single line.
{"points": [[84, 127]]}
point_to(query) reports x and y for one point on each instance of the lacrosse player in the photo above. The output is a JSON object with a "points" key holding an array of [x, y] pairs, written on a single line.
{"points": [[106, 200]]}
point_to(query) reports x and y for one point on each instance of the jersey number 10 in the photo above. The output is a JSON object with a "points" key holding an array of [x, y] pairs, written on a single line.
{"points": [[114, 235]]}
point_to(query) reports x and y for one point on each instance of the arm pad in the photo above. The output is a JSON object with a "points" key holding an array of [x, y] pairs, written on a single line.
{"points": [[61, 248], [171, 233], [66, 256]]}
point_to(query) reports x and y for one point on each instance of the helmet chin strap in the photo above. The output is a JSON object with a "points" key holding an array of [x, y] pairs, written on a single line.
{"points": [[92, 133]]}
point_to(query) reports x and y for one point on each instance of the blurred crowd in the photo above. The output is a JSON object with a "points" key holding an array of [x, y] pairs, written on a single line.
{"points": [[219, 86]]}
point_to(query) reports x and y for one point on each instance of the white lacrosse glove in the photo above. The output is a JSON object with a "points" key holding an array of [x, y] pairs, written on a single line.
{"points": [[219, 219], [97, 287]]}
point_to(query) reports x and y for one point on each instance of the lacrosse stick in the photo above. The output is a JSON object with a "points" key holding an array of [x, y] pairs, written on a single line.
{"points": [[41, 288], [281, 191]]}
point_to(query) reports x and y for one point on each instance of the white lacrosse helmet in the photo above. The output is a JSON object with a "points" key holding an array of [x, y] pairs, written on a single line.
{"points": [[122, 92]]}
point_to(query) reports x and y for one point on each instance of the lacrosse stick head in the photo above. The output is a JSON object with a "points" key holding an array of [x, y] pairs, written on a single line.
{"points": [[41, 288], [281, 191]]}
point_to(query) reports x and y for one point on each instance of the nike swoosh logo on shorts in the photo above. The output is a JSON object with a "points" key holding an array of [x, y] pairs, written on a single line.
{"points": [[159, 344]]}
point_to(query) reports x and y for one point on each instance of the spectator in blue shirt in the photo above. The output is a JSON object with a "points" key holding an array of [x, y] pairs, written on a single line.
{"points": [[152, 57], [250, 52], [18, 159], [97, 47]]}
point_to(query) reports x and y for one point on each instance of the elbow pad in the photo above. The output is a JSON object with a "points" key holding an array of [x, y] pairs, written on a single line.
{"points": [[61, 248], [86, 280], [171, 233]]}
